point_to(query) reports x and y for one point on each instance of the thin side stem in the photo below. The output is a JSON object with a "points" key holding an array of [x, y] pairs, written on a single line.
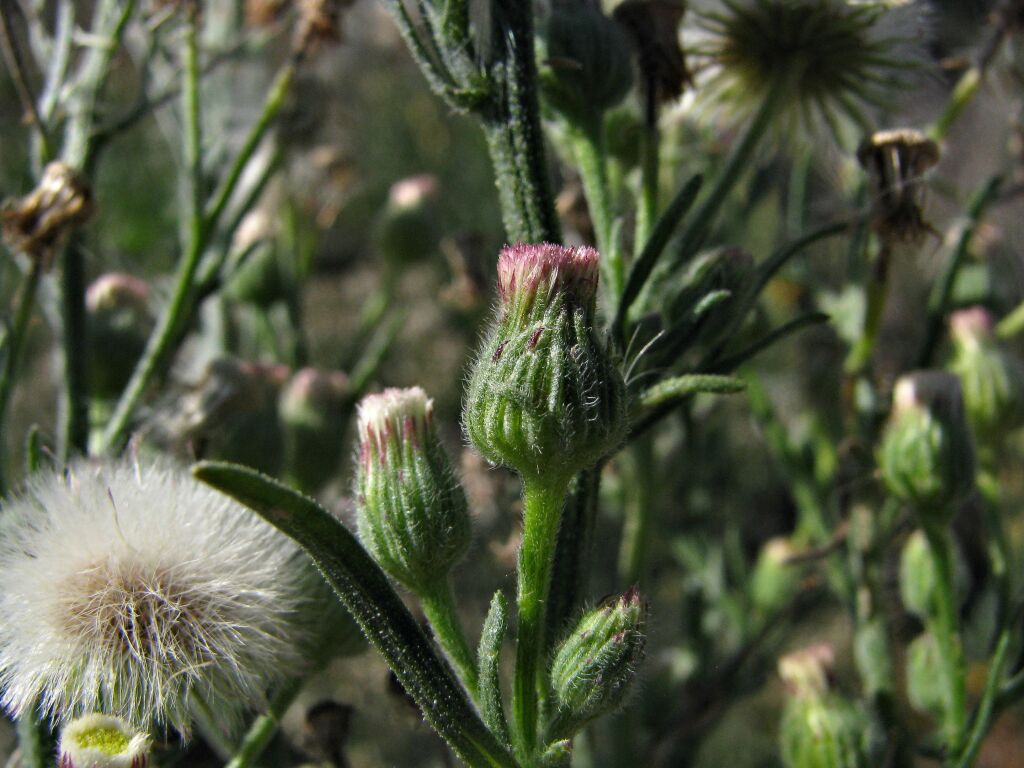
{"points": [[265, 726], [945, 626], [439, 607], [167, 334], [74, 415], [542, 510], [15, 342], [16, 67], [987, 708], [647, 204]]}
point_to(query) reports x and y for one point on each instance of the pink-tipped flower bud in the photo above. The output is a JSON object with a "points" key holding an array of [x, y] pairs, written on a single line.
{"points": [[313, 408], [100, 741], [407, 230], [120, 321], [413, 514], [545, 397]]}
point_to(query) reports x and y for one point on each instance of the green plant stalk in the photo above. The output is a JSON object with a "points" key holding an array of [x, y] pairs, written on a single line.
{"points": [[523, 208], [1012, 324], [700, 218], [877, 292], [588, 145], [945, 627], [439, 607], [636, 533], [647, 204], [542, 510], [15, 342], [988, 706], [35, 741], [962, 95], [74, 414], [263, 728], [1000, 550], [212, 732], [167, 334]]}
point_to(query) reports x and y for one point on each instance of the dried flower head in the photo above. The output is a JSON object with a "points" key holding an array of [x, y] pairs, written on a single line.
{"points": [[133, 590], [897, 160], [653, 27], [38, 222], [827, 57], [101, 741]]}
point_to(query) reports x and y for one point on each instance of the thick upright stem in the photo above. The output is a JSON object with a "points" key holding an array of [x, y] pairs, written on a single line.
{"points": [[74, 428], [439, 607], [945, 628], [542, 510]]}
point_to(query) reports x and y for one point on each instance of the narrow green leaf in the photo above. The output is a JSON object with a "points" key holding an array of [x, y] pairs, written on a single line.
{"points": [[648, 258], [734, 361], [489, 654], [679, 387], [369, 597], [35, 455]]}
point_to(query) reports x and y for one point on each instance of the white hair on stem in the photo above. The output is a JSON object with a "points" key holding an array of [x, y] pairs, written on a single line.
{"points": [[133, 589]]}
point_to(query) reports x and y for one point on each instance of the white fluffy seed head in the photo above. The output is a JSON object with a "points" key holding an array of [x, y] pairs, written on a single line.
{"points": [[133, 590]]}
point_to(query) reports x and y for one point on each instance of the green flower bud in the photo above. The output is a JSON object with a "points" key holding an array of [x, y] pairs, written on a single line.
{"points": [[821, 729], [918, 578], [992, 378], [99, 741], [589, 62], [926, 455], [871, 653], [120, 321], [545, 397], [261, 279], [774, 581], [596, 664], [412, 511], [926, 690], [313, 409], [407, 230]]}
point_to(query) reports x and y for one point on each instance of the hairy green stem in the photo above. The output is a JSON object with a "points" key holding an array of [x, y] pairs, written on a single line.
{"points": [[542, 510], [439, 607], [263, 728], [15, 342], [945, 627], [588, 146], [636, 533], [74, 417], [647, 204]]}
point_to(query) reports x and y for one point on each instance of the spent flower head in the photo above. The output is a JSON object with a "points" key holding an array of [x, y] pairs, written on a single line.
{"points": [[133, 590], [826, 59], [101, 741]]}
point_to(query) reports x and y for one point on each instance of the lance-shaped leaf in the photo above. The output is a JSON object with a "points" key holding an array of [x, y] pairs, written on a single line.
{"points": [[490, 657], [369, 597]]}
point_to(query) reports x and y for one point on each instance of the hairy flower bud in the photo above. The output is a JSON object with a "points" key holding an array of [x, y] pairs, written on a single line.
{"points": [[596, 664], [407, 230], [313, 408], [926, 455], [544, 397], [992, 378], [918, 579], [100, 741], [412, 511], [120, 320], [589, 68], [821, 729]]}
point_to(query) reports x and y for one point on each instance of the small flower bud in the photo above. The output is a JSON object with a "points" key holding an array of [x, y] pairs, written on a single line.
{"points": [[38, 222], [407, 230], [918, 578], [589, 68], [774, 580], [896, 161], [926, 690], [926, 455], [821, 729], [545, 397], [313, 408], [412, 511], [992, 378], [596, 664], [99, 741], [120, 321]]}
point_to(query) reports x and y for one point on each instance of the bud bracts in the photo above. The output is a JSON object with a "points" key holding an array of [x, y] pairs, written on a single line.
{"points": [[545, 398], [412, 511], [597, 662], [926, 456], [100, 741]]}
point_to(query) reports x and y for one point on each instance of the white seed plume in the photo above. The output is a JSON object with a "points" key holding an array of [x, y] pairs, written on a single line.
{"points": [[132, 590]]}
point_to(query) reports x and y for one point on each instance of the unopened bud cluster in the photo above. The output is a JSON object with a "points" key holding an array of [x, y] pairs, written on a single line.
{"points": [[545, 397], [596, 664], [412, 511]]}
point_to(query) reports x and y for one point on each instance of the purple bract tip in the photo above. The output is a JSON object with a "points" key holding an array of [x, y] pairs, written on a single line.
{"points": [[525, 267]]}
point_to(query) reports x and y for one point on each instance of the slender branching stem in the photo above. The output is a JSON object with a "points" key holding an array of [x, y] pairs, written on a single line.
{"points": [[439, 607], [987, 707], [263, 728]]}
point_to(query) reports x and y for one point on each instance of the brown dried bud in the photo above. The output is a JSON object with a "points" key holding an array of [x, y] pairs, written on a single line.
{"points": [[653, 27], [896, 161], [38, 222], [319, 24]]}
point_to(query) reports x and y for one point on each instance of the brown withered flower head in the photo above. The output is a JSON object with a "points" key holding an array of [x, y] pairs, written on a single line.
{"points": [[653, 28], [37, 223]]}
